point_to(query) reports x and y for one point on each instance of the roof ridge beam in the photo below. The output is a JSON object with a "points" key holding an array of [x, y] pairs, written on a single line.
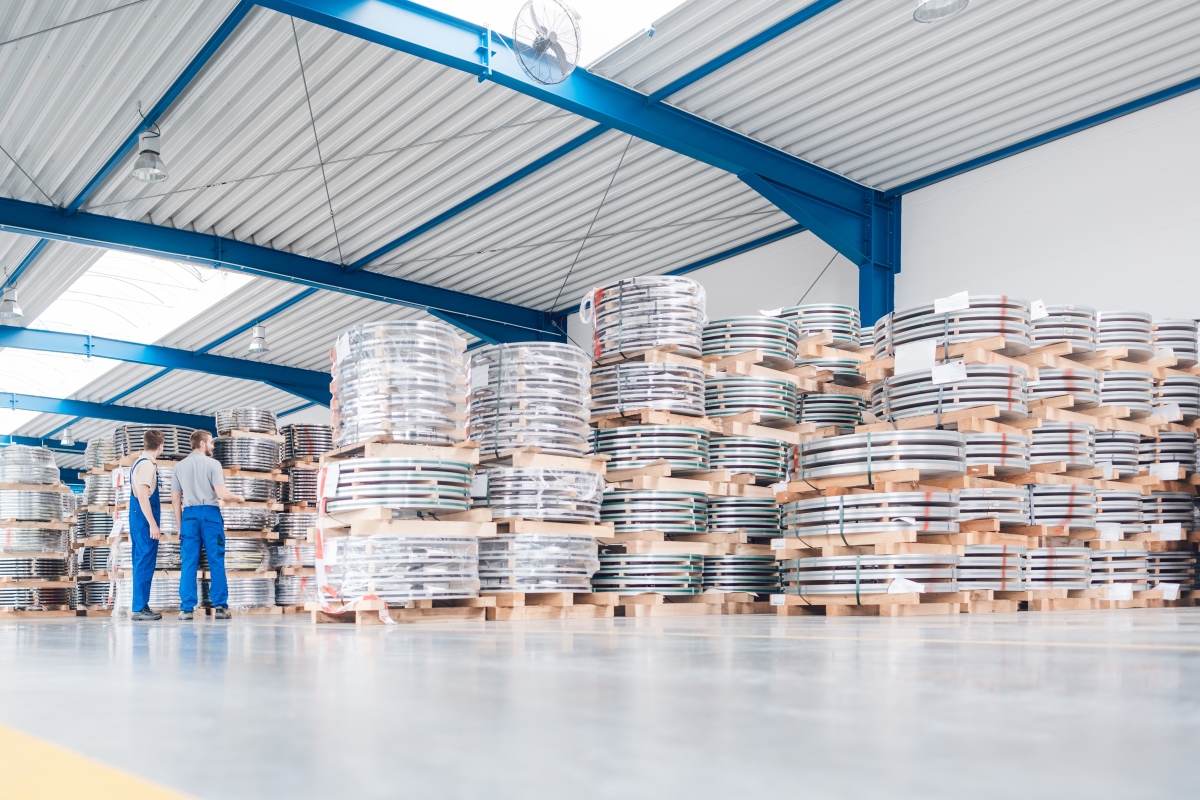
{"points": [[83, 408]]}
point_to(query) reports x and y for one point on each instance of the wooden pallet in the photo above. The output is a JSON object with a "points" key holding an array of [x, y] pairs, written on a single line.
{"points": [[94, 611], [665, 354], [383, 446], [242, 433], [653, 416], [53, 612], [379, 522], [870, 605], [303, 462], [260, 611], [525, 606], [514, 525], [658, 605], [276, 475], [367, 612], [985, 350], [533, 457]]}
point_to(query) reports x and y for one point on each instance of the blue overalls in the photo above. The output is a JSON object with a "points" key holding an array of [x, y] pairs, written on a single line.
{"points": [[145, 549], [202, 524]]}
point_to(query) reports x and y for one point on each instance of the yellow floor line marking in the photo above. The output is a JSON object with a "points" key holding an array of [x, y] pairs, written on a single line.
{"points": [[34, 768]]}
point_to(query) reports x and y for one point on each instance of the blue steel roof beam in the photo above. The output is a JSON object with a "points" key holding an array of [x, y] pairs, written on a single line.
{"points": [[44, 441], [81, 408], [26, 262], [488, 319]]}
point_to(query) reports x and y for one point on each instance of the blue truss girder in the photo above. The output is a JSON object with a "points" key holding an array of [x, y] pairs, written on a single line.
{"points": [[82, 408], [26, 263], [50, 444]]}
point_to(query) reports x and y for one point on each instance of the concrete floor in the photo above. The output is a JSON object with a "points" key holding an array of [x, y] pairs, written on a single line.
{"points": [[1099, 704]]}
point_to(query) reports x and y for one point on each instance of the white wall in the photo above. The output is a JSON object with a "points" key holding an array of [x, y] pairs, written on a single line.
{"points": [[1108, 217]]}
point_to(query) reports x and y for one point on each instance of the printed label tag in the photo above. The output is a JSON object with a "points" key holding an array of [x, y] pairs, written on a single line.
{"points": [[916, 356], [479, 486], [1168, 531], [777, 599], [772, 312], [1119, 591], [1170, 471], [905, 586], [1170, 590], [955, 302], [1037, 310], [779, 544], [1110, 472], [1171, 411], [950, 373], [779, 488], [480, 376], [1110, 531], [1164, 352], [342, 348]]}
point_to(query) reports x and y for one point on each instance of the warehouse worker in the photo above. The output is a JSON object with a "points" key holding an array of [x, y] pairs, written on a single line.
{"points": [[145, 515], [197, 483]]}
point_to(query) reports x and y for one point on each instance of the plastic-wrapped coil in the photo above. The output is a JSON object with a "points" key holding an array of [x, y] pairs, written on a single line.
{"points": [[533, 394], [1070, 505], [842, 321], [36, 598], [398, 569], [33, 540], [621, 388], [98, 490], [1006, 453], [170, 556], [684, 447], [1120, 507], [295, 590], [647, 312], [765, 459], [301, 486], [247, 452], [29, 465], [1117, 451], [164, 591], [1183, 391], [537, 562], [998, 567], [1179, 335], [69, 503], [775, 337], [727, 395], [402, 379], [1120, 566], [630, 573], [1127, 387], [1008, 506], [246, 518], [16, 567], [1169, 447], [1081, 383], [164, 471], [866, 338], [541, 493], [1075, 325], [30, 505], [987, 316], [757, 516], [1072, 443], [100, 450], [255, 490], [673, 513], [94, 559], [1132, 330], [166, 520], [924, 512], [753, 574], [915, 393], [1163, 508], [295, 525], [306, 441], [97, 594], [859, 575], [1058, 568], [844, 410], [293, 555], [1177, 567], [256, 420], [411, 485], [130, 439], [937, 454], [243, 593], [242, 554]]}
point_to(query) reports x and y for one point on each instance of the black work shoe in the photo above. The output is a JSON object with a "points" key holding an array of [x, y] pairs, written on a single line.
{"points": [[221, 612], [185, 615], [145, 615]]}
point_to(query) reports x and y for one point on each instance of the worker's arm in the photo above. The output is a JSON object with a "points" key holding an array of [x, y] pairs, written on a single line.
{"points": [[142, 492], [177, 507], [226, 495]]}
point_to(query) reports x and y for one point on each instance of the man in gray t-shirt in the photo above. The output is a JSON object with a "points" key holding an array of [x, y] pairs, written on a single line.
{"points": [[197, 484]]}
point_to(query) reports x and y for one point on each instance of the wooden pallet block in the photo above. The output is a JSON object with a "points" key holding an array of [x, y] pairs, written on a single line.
{"points": [[366, 612], [793, 435], [54, 612], [799, 547], [259, 611], [243, 433], [94, 611], [384, 446], [517, 525], [529, 606], [657, 605], [534, 457], [653, 416], [378, 521], [664, 354], [303, 462], [276, 475], [870, 605], [756, 363], [979, 351]]}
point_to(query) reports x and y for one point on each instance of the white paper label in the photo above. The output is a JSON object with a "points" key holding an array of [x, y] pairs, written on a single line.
{"points": [[1164, 352], [342, 348], [1119, 591], [1170, 590], [779, 488], [916, 356], [909, 521], [329, 552], [1110, 531], [778, 599], [1037, 310], [771, 312], [1170, 411], [1169, 471], [955, 302], [1168, 531], [952, 372], [905, 586], [1110, 472], [479, 485], [480, 376], [327, 481], [779, 544]]}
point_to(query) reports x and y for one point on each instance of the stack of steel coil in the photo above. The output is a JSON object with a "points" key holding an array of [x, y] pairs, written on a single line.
{"points": [[765, 459], [642, 573], [530, 395], [42, 598], [243, 592], [1132, 330], [247, 452], [776, 338], [621, 388], [255, 420], [556, 495], [1183, 391], [164, 591], [758, 517], [18, 567], [301, 486], [727, 395], [1072, 443], [1120, 507], [646, 312], [1071, 505], [752, 574], [1008, 506], [867, 575], [97, 594], [923, 512], [255, 490], [915, 393], [169, 557], [34, 540], [94, 559], [843, 410], [842, 321], [130, 439], [988, 316], [1164, 508], [99, 451], [684, 447], [306, 441], [1178, 335], [28, 465], [400, 379], [1178, 567], [1169, 447], [1111, 567], [1058, 568], [937, 454], [866, 338], [1117, 451], [410, 486], [1127, 387], [537, 562], [166, 520], [844, 370], [293, 555], [998, 567], [673, 513], [31, 505], [1075, 325], [1006, 453], [295, 524], [98, 490], [1081, 383], [295, 590], [242, 554], [247, 518], [95, 523], [122, 491], [397, 569]]}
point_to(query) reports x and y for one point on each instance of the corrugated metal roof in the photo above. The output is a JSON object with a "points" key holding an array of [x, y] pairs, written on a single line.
{"points": [[56, 267]]}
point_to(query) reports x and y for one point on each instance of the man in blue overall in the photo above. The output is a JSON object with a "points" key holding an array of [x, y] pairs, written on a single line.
{"points": [[145, 515], [197, 484]]}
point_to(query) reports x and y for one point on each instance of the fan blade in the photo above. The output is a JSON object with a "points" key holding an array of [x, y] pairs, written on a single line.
{"points": [[540, 27], [561, 55]]}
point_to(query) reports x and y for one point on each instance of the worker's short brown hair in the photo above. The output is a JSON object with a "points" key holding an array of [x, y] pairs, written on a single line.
{"points": [[198, 438], [152, 439]]}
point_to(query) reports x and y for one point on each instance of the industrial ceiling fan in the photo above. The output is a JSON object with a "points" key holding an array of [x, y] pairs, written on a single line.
{"points": [[546, 40]]}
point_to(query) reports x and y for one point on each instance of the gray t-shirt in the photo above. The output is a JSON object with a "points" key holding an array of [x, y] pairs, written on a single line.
{"points": [[196, 476]]}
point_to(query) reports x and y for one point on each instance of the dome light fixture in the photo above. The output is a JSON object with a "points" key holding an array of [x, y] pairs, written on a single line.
{"points": [[67, 440], [9, 307], [258, 341], [149, 166], [936, 10]]}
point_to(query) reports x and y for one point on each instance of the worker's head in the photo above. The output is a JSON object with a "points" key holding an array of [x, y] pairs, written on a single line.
{"points": [[202, 440], [152, 442]]}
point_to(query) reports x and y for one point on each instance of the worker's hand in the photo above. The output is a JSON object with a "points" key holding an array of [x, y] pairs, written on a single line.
{"points": [[240, 498], [155, 533]]}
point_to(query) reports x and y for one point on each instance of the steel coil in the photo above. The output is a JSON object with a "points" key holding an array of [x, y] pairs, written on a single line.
{"points": [[915, 393], [123, 492], [1183, 391], [1081, 383], [94, 559], [29, 465], [254, 490], [648, 312], [728, 395], [673, 513], [1075, 325], [865, 575], [842, 321], [1169, 447], [1132, 330], [1162, 508], [295, 525], [164, 592], [255, 420], [130, 439], [34, 540], [936, 454], [752, 574], [301, 486], [844, 370], [100, 451], [31, 505], [21, 568], [245, 518], [685, 448], [641, 573], [243, 593], [242, 554], [1072, 443], [997, 567], [1005, 453], [923, 512], [97, 594], [1117, 452], [1059, 568], [32, 599], [306, 441], [529, 395], [409, 485], [1178, 336], [170, 556], [1007, 506], [1178, 567], [1071, 505], [557, 495], [1120, 507], [1126, 387], [166, 520], [866, 338], [295, 590], [776, 338], [247, 452], [1120, 566], [843, 410], [98, 490], [988, 316], [757, 517], [398, 569], [293, 555], [621, 388], [765, 459], [537, 562]]}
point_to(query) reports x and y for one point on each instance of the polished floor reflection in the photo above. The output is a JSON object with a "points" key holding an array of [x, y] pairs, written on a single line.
{"points": [[1098, 704]]}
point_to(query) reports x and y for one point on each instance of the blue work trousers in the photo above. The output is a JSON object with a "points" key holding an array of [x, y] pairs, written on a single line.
{"points": [[202, 524], [145, 549]]}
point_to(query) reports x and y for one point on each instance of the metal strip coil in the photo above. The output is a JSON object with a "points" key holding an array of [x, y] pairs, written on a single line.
{"points": [[247, 452], [243, 593], [1007, 453], [842, 321], [915, 394], [295, 590], [130, 439], [412, 485], [647, 312], [34, 540], [1132, 330], [685, 448], [398, 569], [830, 409], [536, 562], [560, 495], [640, 573], [295, 525], [987, 316], [934, 453], [666, 511], [759, 517], [258, 420], [765, 459], [727, 395], [293, 555], [1065, 323], [170, 556], [29, 465], [752, 574], [775, 337], [635, 385], [306, 441]]}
